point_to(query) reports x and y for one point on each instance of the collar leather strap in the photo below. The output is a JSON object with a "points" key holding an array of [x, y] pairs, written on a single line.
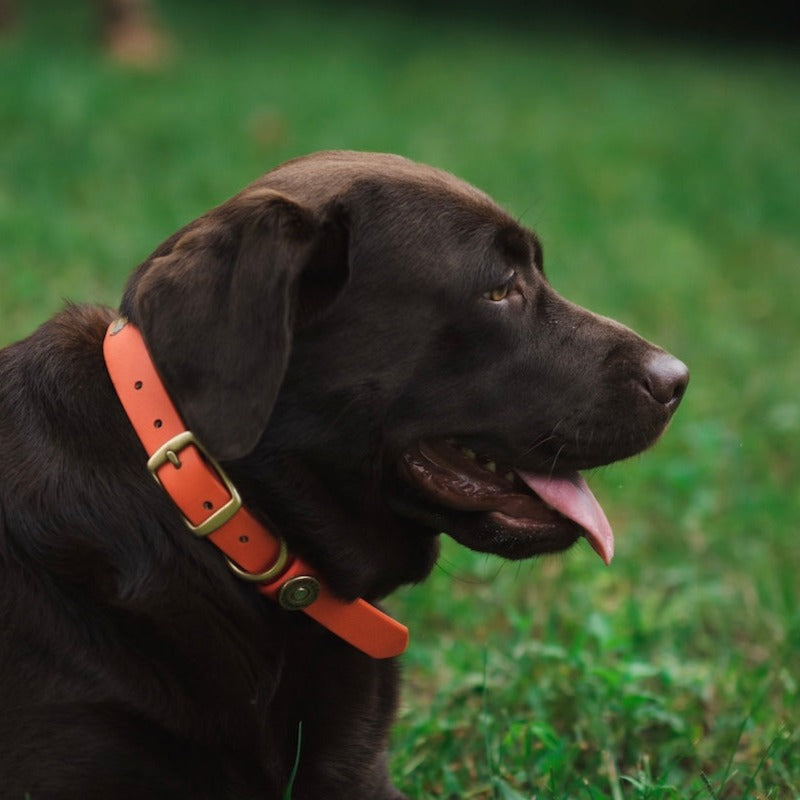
{"points": [[211, 507]]}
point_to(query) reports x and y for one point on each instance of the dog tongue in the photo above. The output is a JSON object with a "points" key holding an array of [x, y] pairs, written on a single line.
{"points": [[572, 498]]}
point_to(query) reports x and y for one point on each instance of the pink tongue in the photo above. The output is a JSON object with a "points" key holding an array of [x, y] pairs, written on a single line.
{"points": [[571, 497]]}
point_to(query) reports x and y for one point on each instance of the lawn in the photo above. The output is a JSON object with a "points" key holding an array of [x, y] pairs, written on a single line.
{"points": [[664, 180]]}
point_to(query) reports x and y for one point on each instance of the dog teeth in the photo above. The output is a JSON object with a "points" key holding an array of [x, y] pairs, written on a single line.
{"points": [[482, 461]]}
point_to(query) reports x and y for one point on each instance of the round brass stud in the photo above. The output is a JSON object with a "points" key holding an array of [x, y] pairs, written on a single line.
{"points": [[299, 592]]}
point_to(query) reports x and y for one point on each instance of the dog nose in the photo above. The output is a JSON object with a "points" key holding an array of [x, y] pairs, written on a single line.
{"points": [[665, 379]]}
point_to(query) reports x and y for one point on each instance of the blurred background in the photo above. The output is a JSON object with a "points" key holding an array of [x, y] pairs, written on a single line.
{"points": [[656, 151]]}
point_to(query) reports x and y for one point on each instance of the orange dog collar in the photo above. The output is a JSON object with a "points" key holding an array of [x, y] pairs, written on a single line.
{"points": [[212, 508]]}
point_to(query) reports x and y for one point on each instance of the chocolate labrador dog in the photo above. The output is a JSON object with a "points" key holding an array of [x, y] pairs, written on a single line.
{"points": [[367, 353]]}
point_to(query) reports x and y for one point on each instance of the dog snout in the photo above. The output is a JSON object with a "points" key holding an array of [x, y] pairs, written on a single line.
{"points": [[665, 379]]}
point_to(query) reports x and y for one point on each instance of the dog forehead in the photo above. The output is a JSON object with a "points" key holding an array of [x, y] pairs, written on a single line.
{"points": [[317, 179], [405, 214]]}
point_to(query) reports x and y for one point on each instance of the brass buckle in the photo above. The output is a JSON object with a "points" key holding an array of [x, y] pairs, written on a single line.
{"points": [[168, 452]]}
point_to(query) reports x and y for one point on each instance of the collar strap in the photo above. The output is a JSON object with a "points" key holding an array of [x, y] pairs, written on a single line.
{"points": [[212, 509]]}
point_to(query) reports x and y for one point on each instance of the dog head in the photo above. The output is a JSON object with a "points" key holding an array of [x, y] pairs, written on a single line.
{"points": [[373, 345]]}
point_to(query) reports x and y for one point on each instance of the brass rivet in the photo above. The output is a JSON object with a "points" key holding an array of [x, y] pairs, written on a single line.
{"points": [[117, 325], [299, 592]]}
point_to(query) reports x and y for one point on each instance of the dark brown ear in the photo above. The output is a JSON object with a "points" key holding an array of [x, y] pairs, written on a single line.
{"points": [[219, 308]]}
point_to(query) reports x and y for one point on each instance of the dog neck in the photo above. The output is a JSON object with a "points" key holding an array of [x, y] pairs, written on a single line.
{"points": [[212, 509]]}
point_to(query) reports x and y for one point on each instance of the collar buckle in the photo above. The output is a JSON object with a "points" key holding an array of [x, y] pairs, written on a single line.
{"points": [[168, 453]]}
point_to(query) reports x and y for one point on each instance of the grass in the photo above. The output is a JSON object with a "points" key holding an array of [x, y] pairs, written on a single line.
{"points": [[663, 178]]}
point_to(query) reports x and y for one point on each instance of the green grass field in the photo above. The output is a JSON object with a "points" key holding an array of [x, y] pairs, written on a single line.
{"points": [[664, 179]]}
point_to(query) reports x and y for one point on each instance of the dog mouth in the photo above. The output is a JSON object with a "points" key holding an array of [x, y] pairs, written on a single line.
{"points": [[497, 508]]}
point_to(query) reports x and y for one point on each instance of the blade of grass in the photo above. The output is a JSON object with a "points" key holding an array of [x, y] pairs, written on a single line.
{"points": [[287, 795]]}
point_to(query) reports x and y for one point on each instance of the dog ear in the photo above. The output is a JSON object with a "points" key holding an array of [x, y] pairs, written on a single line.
{"points": [[218, 305]]}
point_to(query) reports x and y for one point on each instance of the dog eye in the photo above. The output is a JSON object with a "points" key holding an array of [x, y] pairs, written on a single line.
{"points": [[500, 292]]}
